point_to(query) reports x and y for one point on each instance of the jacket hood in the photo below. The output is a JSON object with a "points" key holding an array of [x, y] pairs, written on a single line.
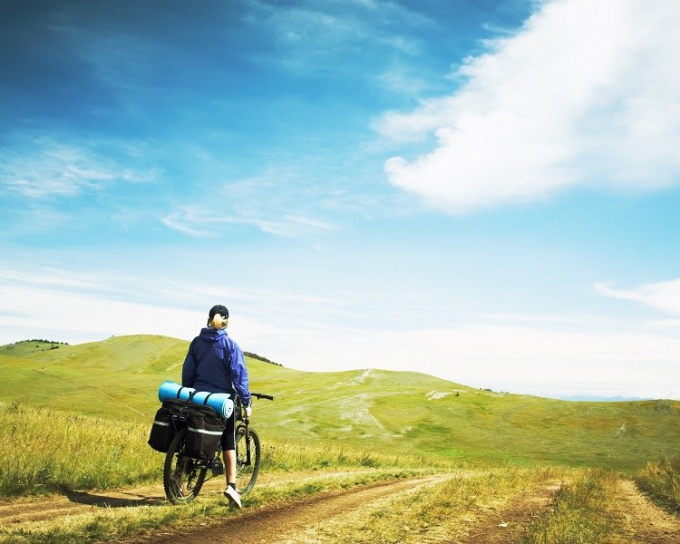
{"points": [[209, 334]]}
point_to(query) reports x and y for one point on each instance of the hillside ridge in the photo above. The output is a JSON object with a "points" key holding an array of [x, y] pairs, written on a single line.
{"points": [[401, 411]]}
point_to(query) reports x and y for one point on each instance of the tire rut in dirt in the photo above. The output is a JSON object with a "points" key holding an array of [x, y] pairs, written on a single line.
{"points": [[267, 525], [507, 524], [643, 521]]}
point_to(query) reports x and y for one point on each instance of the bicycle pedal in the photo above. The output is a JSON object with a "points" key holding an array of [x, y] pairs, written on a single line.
{"points": [[217, 467]]}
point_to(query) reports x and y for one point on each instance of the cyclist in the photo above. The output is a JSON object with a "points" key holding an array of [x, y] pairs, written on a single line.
{"points": [[215, 363]]}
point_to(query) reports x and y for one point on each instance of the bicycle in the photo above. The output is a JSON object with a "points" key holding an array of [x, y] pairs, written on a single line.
{"points": [[184, 476]]}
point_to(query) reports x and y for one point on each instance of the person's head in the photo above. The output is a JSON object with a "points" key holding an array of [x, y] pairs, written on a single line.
{"points": [[218, 317]]}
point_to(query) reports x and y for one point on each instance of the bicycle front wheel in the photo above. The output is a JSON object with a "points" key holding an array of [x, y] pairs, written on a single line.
{"points": [[247, 459], [182, 476]]}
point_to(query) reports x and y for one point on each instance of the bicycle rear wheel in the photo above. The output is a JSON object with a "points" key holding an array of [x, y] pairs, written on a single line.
{"points": [[247, 459], [182, 477]]}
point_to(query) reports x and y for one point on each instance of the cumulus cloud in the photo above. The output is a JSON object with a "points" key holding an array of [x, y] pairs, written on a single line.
{"points": [[585, 93]]}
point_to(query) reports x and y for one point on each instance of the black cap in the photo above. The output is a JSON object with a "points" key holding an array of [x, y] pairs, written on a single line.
{"points": [[219, 309]]}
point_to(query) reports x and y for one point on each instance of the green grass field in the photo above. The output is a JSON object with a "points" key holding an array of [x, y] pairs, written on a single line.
{"points": [[77, 418], [401, 412]]}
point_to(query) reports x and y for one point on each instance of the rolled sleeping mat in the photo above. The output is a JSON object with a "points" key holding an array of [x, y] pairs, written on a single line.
{"points": [[222, 403], [172, 390]]}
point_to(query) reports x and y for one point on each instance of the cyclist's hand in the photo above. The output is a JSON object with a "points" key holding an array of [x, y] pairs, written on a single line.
{"points": [[249, 411]]}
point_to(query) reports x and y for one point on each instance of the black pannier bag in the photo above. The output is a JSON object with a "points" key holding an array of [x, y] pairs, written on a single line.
{"points": [[165, 424], [204, 430]]}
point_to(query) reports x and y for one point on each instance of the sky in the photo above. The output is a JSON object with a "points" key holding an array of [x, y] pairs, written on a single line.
{"points": [[486, 191]]}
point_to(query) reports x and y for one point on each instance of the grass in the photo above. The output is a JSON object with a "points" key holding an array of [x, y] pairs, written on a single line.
{"points": [[78, 417], [446, 507], [49, 451], [440, 510], [582, 512], [45, 451], [285, 456], [402, 412], [592, 510], [118, 523], [661, 481]]}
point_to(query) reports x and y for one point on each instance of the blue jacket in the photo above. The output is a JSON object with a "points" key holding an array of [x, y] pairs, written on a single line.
{"points": [[215, 363]]}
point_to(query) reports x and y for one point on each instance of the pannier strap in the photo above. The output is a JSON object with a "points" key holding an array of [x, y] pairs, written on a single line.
{"points": [[191, 393]]}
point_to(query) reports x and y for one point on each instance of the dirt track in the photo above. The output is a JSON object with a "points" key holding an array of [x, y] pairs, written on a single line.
{"points": [[290, 523], [304, 521]]}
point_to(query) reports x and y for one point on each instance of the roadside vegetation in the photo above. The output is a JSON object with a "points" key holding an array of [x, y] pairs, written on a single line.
{"points": [[115, 524], [48, 451], [661, 481], [582, 511], [442, 511]]}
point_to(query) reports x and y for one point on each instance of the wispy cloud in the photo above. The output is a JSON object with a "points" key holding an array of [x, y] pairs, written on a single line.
{"points": [[45, 167], [663, 296], [79, 306], [584, 93], [201, 221], [519, 358], [313, 37], [285, 226], [403, 80], [53, 170], [189, 220], [281, 201], [514, 354], [308, 222]]}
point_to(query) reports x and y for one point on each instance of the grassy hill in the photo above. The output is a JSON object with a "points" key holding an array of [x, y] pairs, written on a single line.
{"points": [[400, 412]]}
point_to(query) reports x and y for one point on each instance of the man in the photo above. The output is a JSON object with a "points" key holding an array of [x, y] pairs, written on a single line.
{"points": [[215, 363]]}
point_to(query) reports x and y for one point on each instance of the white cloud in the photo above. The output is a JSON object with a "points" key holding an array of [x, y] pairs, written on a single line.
{"points": [[67, 305], [663, 296], [522, 354], [58, 170], [518, 359], [280, 201], [44, 167], [75, 306], [189, 220], [585, 93], [197, 222]]}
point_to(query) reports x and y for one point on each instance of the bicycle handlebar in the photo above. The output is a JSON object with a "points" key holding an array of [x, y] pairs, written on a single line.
{"points": [[261, 396]]}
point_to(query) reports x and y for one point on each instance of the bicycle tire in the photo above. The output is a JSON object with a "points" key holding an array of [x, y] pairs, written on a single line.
{"points": [[247, 459], [182, 477]]}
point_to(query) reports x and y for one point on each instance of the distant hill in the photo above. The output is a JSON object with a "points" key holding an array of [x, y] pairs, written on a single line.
{"points": [[595, 398], [29, 347], [390, 411]]}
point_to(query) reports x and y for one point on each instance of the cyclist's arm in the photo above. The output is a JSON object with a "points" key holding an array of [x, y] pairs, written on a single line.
{"points": [[189, 368], [239, 374]]}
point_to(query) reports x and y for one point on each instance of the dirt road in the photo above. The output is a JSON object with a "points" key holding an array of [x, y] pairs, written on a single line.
{"points": [[311, 520], [293, 522]]}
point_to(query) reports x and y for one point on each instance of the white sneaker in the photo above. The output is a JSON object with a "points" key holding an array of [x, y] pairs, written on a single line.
{"points": [[233, 496]]}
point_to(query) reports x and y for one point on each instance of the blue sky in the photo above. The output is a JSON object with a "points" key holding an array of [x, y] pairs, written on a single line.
{"points": [[486, 191]]}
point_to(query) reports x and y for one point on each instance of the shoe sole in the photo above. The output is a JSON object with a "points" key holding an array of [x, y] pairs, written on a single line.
{"points": [[232, 500]]}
